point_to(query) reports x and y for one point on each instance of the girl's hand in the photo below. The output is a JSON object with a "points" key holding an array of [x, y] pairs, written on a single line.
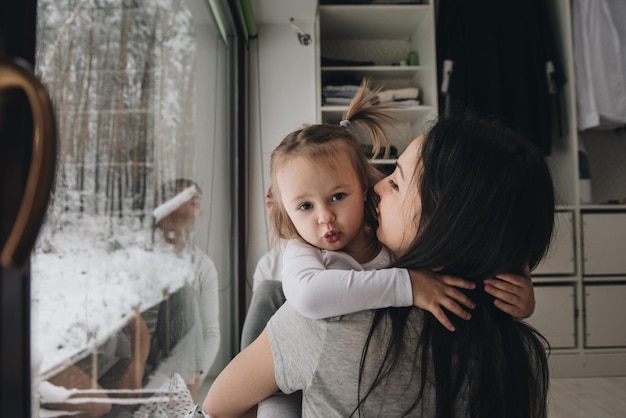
{"points": [[432, 292], [514, 294]]}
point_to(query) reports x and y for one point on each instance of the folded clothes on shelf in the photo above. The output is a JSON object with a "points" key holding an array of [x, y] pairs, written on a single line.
{"points": [[343, 94], [407, 93], [340, 101], [346, 90], [338, 94]]}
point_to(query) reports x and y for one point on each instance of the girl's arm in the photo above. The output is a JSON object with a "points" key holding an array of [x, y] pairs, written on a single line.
{"points": [[321, 286], [246, 380], [514, 294]]}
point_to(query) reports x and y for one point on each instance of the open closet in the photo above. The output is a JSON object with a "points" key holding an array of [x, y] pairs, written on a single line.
{"points": [[581, 283]]}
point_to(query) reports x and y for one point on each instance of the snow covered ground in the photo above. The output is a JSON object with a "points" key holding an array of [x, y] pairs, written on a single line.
{"points": [[86, 285]]}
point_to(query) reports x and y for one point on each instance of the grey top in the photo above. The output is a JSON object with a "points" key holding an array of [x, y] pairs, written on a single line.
{"points": [[322, 358]]}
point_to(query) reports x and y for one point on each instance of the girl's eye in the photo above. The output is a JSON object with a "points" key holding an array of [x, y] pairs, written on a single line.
{"points": [[338, 196], [393, 185], [305, 206]]}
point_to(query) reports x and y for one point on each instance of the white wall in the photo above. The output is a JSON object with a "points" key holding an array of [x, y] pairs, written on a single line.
{"points": [[283, 98]]}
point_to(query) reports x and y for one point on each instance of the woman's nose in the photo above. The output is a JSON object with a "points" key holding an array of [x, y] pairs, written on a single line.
{"points": [[378, 187]]}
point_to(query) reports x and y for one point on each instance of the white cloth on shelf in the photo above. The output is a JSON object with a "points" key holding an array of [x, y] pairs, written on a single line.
{"points": [[599, 32], [391, 95]]}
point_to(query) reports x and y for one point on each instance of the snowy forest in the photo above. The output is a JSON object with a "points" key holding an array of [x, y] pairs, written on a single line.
{"points": [[121, 77]]}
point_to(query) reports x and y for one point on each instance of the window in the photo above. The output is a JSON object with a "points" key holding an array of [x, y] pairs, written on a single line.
{"points": [[132, 271]]}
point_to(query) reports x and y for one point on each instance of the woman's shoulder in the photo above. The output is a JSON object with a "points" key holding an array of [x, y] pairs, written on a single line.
{"points": [[288, 320]]}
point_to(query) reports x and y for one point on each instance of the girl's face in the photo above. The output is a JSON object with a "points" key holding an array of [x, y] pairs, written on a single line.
{"points": [[400, 205], [326, 205]]}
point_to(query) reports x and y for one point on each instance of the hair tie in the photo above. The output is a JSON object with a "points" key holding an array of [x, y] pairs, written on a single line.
{"points": [[344, 123]]}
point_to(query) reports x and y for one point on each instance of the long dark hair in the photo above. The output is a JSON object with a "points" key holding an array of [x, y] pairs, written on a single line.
{"points": [[487, 208]]}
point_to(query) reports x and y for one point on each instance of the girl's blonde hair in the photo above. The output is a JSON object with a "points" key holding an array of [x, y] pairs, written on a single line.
{"points": [[326, 143]]}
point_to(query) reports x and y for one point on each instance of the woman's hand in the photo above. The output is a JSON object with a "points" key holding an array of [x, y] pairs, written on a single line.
{"points": [[514, 294], [433, 292]]}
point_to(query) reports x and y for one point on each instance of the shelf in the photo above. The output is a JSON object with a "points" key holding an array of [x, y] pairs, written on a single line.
{"points": [[617, 278], [364, 21], [551, 279], [406, 114], [382, 71], [603, 208], [384, 35]]}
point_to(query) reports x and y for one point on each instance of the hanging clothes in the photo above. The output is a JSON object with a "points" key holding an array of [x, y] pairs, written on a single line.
{"points": [[599, 28], [498, 58]]}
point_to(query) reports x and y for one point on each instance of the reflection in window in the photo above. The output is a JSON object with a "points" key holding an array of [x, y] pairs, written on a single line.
{"points": [[125, 305]]}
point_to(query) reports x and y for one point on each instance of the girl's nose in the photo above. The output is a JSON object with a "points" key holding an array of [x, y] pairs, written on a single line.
{"points": [[325, 216]]}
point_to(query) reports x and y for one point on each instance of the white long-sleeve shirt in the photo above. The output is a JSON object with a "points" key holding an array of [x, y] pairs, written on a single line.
{"points": [[206, 284], [269, 266], [318, 284]]}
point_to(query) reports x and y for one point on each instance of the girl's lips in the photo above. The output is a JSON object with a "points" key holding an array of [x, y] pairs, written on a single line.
{"points": [[331, 237]]}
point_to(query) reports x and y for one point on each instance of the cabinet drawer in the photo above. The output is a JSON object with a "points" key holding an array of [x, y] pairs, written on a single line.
{"points": [[604, 315], [560, 259], [554, 315], [604, 243]]}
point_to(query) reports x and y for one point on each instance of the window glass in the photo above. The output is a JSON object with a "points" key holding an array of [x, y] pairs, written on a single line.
{"points": [[130, 274]]}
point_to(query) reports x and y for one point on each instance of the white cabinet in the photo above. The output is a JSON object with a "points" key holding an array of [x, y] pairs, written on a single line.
{"points": [[372, 40], [604, 315], [555, 315], [604, 243], [585, 270], [560, 259]]}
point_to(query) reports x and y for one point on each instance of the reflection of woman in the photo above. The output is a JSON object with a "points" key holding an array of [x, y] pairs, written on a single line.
{"points": [[469, 198], [185, 328]]}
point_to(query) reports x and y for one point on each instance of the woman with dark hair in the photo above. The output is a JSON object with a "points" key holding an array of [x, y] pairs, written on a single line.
{"points": [[470, 199]]}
